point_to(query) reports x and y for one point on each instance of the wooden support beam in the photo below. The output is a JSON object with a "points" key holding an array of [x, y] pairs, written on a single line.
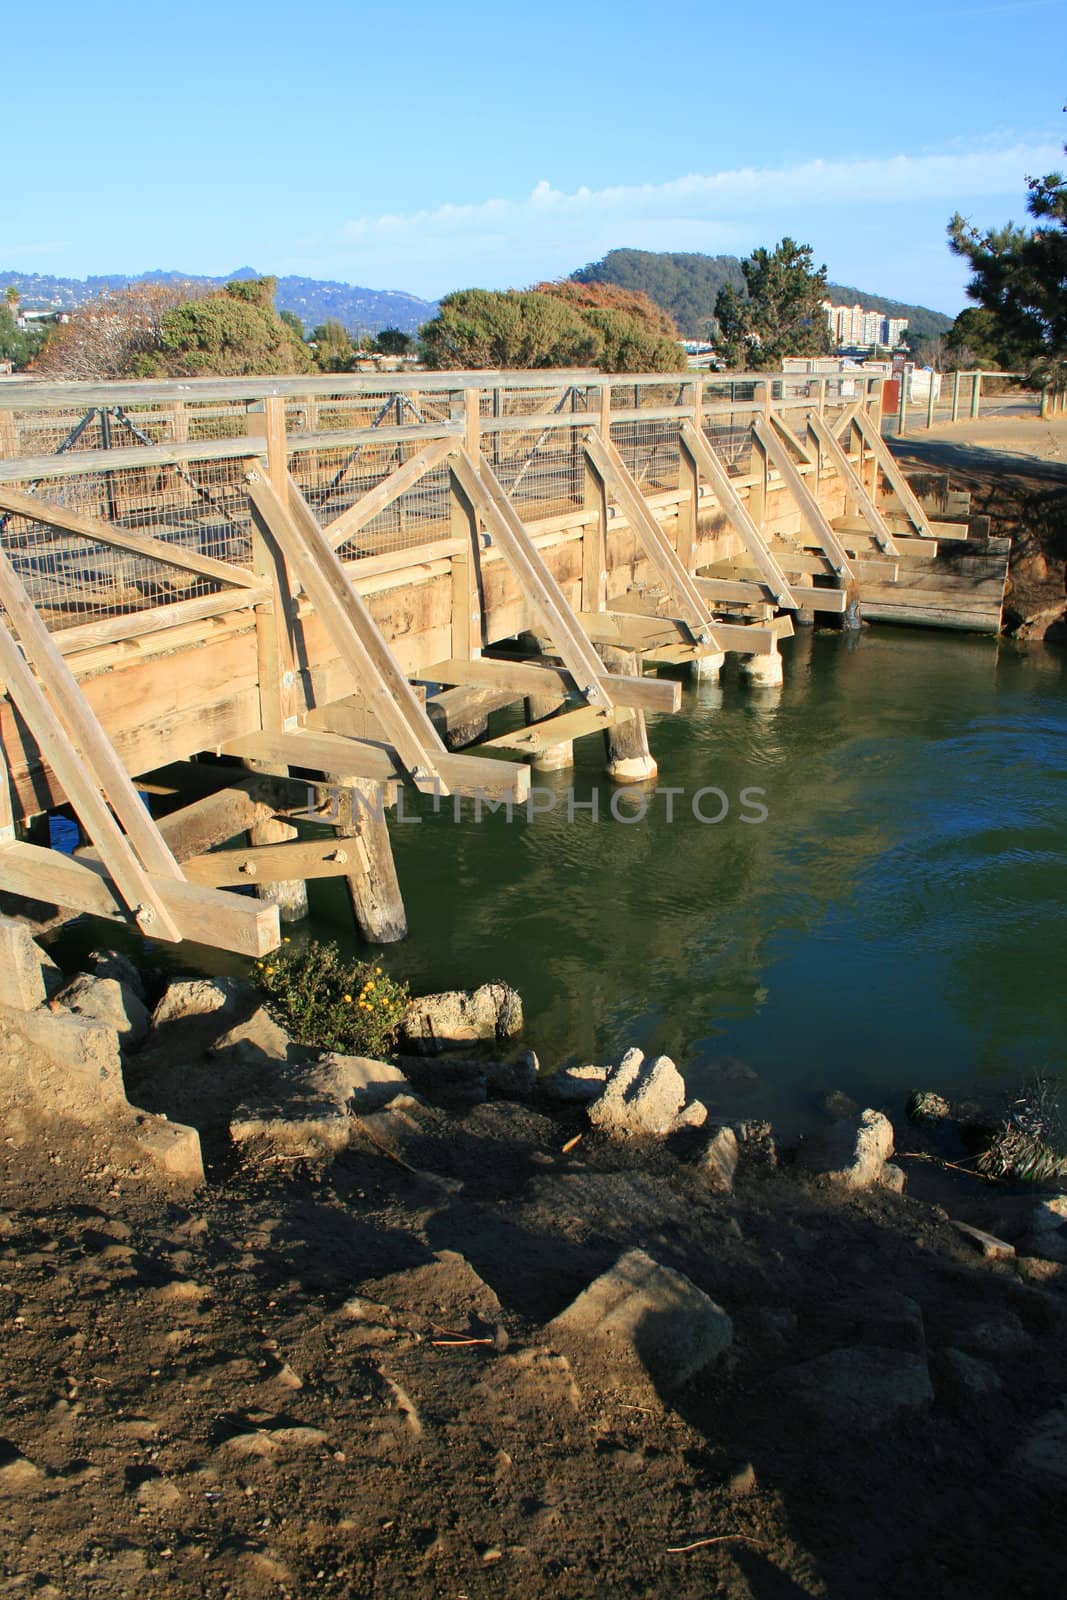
{"points": [[537, 737], [351, 627], [206, 916], [539, 586], [894, 476], [329, 752], [713, 469], [270, 864], [685, 599], [17, 504], [525, 679], [351, 522], [373, 886], [807, 597], [770, 439], [853, 485]]}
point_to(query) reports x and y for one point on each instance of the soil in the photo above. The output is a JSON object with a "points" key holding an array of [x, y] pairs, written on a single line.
{"points": [[1016, 471], [332, 1376]]}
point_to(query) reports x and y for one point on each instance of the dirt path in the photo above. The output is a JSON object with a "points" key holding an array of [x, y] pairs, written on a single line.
{"points": [[1016, 471]]}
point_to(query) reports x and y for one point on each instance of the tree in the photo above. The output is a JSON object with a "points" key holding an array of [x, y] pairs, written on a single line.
{"points": [[115, 336], [231, 333], [332, 346], [543, 327], [17, 345], [1020, 280], [394, 342], [779, 314]]}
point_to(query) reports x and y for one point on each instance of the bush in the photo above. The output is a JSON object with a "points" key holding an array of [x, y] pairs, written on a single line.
{"points": [[333, 1003]]}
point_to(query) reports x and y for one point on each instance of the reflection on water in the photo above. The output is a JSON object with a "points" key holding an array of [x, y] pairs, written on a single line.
{"points": [[896, 921], [898, 918]]}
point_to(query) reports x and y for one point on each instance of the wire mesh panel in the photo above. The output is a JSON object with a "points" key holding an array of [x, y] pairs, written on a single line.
{"points": [[650, 451], [542, 470], [332, 480], [201, 507]]}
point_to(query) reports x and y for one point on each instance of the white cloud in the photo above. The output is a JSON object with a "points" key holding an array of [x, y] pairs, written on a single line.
{"points": [[499, 241]]}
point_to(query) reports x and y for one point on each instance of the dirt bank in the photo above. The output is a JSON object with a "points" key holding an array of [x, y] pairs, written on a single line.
{"points": [[1016, 471], [334, 1374]]}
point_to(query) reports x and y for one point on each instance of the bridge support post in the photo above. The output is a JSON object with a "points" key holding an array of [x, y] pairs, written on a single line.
{"points": [[707, 668], [373, 887], [291, 895], [763, 672], [629, 758]]}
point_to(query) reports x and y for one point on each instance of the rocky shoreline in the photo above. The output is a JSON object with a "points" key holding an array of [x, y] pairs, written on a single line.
{"points": [[450, 1324]]}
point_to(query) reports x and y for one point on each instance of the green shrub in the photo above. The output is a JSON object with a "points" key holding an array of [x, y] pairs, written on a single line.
{"points": [[328, 1001]]}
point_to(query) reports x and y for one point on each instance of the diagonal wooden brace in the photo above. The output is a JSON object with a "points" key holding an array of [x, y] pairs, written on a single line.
{"points": [[354, 632], [478, 483], [707, 462], [686, 599], [768, 437], [843, 466]]}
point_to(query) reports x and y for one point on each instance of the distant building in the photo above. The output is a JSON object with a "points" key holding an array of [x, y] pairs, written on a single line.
{"points": [[856, 328]]}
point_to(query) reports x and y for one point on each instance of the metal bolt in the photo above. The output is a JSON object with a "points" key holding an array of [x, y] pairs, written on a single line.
{"points": [[592, 693], [248, 868]]}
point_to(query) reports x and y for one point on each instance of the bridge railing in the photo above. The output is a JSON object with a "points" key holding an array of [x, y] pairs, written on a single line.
{"points": [[164, 467]]}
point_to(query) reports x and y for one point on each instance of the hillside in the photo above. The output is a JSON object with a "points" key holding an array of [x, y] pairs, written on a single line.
{"points": [[686, 283], [359, 309]]}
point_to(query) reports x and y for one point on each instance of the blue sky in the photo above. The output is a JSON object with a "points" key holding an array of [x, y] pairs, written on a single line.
{"points": [[432, 147]]}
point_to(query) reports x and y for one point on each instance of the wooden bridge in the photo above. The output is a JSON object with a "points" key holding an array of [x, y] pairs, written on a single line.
{"points": [[224, 597]]}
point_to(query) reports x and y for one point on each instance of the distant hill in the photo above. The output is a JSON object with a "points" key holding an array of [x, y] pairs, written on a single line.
{"points": [[360, 310], [686, 284]]}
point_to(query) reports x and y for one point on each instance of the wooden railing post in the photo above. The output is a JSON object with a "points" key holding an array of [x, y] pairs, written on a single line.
{"points": [[930, 400], [902, 409], [976, 395], [689, 479], [467, 638], [277, 678], [956, 395], [9, 434], [595, 532]]}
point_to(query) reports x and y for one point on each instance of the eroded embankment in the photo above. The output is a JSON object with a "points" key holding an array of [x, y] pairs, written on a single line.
{"points": [[339, 1365]]}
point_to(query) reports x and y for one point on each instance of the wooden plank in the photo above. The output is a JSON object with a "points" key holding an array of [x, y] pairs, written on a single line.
{"points": [[713, 469], [381, 497], [796, 562], [770, 439], [684, 597], [754, 639], [805, 595], [871, 515], [351, 627], [537, 737], [272, 863], [893, 475], [206, 916], [30, 469], [142, 544], [539, 586], [156, 619], [329, 752], [524, 679]]}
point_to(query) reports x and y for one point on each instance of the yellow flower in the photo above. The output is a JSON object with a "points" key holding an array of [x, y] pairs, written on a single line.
{"points": [[378, 970], [269, 970], [347, 999]]}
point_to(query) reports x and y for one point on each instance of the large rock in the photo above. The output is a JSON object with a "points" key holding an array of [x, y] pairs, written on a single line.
{"points": [[718, 1161], [188, 998], [257, 1039], [113, 964], [852, 1152], [861, 1387], [461, 1016], [575, 1085], [1048, 1229], [640, 1311], [309, 1108], [113, 1001], [643, 1097]]}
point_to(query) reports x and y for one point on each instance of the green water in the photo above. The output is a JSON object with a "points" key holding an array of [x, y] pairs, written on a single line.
{"points": [[897, 920]]}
